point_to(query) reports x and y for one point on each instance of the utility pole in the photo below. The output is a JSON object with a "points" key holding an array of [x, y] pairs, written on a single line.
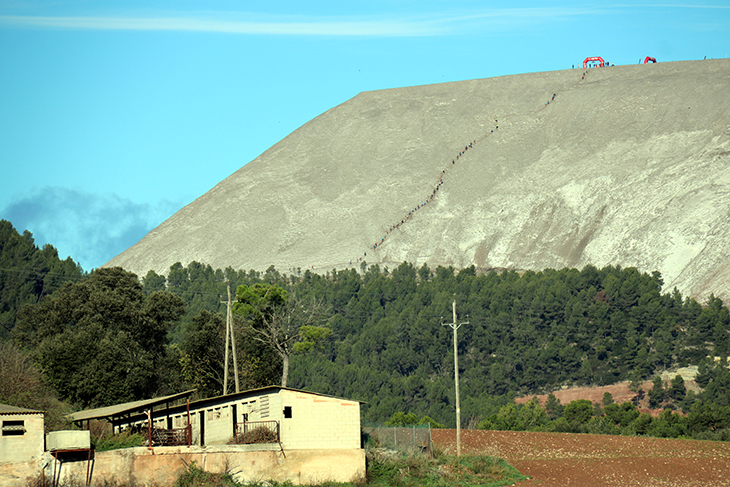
{"points": [[229, 318], [225, 367], [455, 326], [229, 333]]}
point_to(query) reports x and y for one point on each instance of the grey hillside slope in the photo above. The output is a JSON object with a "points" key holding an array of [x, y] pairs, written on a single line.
{"points": [[629, 166]]}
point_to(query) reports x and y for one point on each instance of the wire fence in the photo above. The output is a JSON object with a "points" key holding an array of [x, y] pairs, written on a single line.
{"points": [[413, 438]]}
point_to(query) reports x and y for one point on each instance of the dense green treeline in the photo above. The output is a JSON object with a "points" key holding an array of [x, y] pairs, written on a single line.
{"points": [[527, 333], [28, 273]]}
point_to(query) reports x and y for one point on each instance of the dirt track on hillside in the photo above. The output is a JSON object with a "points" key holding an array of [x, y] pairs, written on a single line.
{"points": [[558, 459]]}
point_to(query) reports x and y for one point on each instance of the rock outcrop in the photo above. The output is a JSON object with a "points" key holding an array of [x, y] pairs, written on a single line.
{"points": [[626, 165]]}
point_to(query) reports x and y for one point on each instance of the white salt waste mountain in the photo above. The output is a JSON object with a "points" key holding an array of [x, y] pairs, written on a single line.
{"points": [[626, 165]]}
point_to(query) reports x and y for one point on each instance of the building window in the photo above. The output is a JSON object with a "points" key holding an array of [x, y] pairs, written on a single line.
{"points": [[287, 411], [13, 428]]}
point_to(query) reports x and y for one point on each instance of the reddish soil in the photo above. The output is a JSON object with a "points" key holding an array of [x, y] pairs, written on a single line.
{"points": [[564, 460], [619, 391]]}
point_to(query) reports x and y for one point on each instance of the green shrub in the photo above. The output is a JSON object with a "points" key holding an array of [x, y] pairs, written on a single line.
{"points": [[719, 435], [194, 476], [579, 411], [446, 471], [125, 439], [641, 425]]}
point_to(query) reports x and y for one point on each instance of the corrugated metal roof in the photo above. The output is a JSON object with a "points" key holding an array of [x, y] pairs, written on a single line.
{"points": [[201, 404], [127, 407], [8, 409], [251, 392], [139, 406]]}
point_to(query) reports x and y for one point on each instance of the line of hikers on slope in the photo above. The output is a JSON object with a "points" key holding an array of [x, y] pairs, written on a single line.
{"points": [[420, 205], [433, 194]]}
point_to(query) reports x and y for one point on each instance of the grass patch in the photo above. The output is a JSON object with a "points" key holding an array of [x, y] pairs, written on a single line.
{"points": [[194, 476], [444, 471], [125, 439], [389, 469]]}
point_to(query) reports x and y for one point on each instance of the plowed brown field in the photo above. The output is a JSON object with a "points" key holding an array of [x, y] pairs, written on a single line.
{"points": [[560, 459]]}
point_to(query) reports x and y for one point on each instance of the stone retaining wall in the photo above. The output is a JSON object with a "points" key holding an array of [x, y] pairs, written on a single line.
{"points": [[161, 466]]}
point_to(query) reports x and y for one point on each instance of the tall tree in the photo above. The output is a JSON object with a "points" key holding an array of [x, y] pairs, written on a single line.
{"points": [[202, 354], [657, 393], [27, 273], [553, 408], [281, 321], [100, 341], [22, 384], [202, 357]]}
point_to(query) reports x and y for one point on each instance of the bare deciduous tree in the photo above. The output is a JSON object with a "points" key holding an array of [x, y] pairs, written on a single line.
{"points": [[282, 321]]}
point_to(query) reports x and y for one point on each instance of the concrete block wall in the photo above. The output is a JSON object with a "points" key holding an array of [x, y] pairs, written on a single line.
{"points": [[218, 422], [249, 408], [269, 407], [22, 447], [218, 425], [162, 465], [319, 422], [181, 420]]}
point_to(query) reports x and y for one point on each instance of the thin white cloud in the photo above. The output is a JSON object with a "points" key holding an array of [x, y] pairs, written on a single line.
{"points": [[431, 24], [373, 28], [718, 7]]}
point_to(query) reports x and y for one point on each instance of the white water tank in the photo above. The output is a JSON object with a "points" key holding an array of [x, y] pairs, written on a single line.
{"points": [[68, 440]]}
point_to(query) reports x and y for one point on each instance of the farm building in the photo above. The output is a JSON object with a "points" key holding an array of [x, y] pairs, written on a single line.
{"points": [[22, 437], [273, 433], [298, 419]]}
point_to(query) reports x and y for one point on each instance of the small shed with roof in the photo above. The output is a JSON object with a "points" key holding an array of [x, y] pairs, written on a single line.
{"points": [[22, 437]]}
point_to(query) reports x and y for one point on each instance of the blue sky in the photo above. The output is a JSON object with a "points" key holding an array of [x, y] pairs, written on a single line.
{"points": [[114, 115]]}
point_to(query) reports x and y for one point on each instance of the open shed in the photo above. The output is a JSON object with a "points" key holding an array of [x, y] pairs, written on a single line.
{"points": [[126, 414]]}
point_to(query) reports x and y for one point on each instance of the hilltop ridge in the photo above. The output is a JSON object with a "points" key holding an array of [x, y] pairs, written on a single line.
{"points": [[627, 165]]}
